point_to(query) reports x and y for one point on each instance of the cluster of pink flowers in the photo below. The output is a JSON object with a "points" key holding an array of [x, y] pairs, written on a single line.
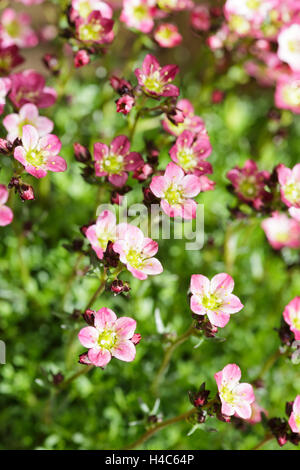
{"points": [[135, 250]]}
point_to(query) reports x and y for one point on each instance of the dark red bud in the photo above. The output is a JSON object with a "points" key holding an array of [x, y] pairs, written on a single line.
{"points": [[89, 317], [81, 153]]}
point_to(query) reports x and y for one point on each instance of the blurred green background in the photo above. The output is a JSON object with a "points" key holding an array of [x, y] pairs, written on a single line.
{"points": [[38, 292]]}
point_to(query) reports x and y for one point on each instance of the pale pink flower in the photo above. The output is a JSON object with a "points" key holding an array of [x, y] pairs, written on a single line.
{"points": [[39, 155], [136, 252], [103, 231], [28, 114], [190, 151], [139, 14], [84, 8], [289, 46], [200, 18], [5, 85], [214, 298], [109, 337], [294, 420], [235, 397], [167, 35], [116, 160], [291, 315], [175, 5], [29, 87], [6, 214], [187, 120], [289, 180], [95, 29], [155, 80], [282, 231], [175, 189], [15, 29], [287, 93], [295, 213], [256, 413]]}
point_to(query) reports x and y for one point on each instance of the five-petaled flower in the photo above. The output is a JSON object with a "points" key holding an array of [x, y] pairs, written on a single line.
{"points": [[282, 231], [136, 252], [139, 14], [214, 298], [156, 80], [175, 189], [294, 420], [29, 87], [6, 214], [28, 114], [235, 397], [115, 161], [289, 180], [95, 29], [15, 29], [109, 337], [39, 155], [103, 231], [291, 315], [190, 152], [167, 35]]}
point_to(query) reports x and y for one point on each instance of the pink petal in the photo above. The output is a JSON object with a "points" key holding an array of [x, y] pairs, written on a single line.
{"points": [[125, 327], [125, 351], [284, 174], [171, 211], [227, 409], [245, 392], [20, 155], [231, 304], [6, 215], [150, 64], [199, 284], [100, 151], [296, 405], [36, 172], [118, 180], [231, 374], [173, 173], [105, 318], [191, 186], [30, 137], [50, 144], [158, 186], [218, 318], [296, 172], [149, 247], [44, 125], [293, 424], [99, 357], [56, 164], [29, 111], [222, 283], [11, 122], [120, 145], [243, 410], [3, 194], [152, 266], [106, 221], [88, 336], [189, 209], [137, 273], [196, 305], [133, 161]]}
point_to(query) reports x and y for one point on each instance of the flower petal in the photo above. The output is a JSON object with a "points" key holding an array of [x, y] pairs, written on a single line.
{"points": [[88, 336], [125, 351], [99, 357], [125, 327], [104, 318]]}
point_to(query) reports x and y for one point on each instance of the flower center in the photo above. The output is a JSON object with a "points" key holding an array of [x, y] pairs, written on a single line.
{"points": [[296, 320], [292, 192], [173, 195], [297, 419], [84, 9], [91, 31], [248, 187], [239, 24], [107, 339], [291, 94], [186, 158], [153, 82], [211, 302], [227, 395], [253, 4], [134, 258], [35, 158], [294, 46], [140, 12], [113, 164], [104, 238], [13, 29]]}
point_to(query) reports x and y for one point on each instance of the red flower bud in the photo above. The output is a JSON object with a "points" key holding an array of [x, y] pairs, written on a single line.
{"points": [[81, 58]]}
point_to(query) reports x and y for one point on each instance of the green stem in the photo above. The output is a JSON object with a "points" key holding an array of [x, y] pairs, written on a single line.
{"points": [[80, 372], [158, 427], [167, 358]]}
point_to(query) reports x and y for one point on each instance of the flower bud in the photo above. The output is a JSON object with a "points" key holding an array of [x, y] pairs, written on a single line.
{"points": [[121, 86], [6, 147], [81, 153], [136, 338], [51, 63], [81, 58], [110, 257], [125, 104], [57, 378], [26, 192], [118, 286], [89, 317]]}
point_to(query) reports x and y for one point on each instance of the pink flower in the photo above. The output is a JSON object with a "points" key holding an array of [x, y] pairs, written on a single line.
{"points": [[175, 189], [5, 85], [190, 151], [6, 214], [167, 35], [188, 120], [282, 231], [39, 155], [115, 161], [139, 14], [214, 298], [289, 184], [249, 183], [9, 58], [103, 231], [294, 420], [81, 58], [125, 104], [256, 412], [15, 29], [289, 46], [95, 29], [200, 18], [175, 5], [155, 80], [29, 87], [84, 8], [291, 315], [109, 337], [137, 251], [295, 213], [235, 397], [28, 114], [287, 94]]}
